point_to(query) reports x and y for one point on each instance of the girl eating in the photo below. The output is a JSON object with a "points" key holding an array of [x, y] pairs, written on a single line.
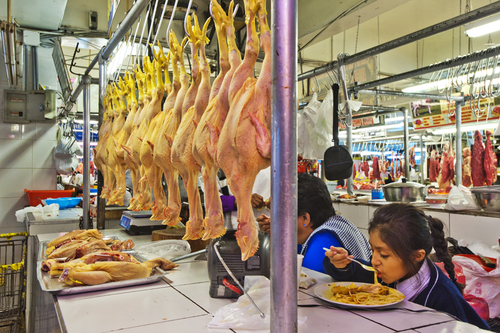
{"points": [[401, 237]]}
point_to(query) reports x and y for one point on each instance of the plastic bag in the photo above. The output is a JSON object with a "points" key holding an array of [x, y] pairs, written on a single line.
{"points": [[242, 315], [482, 284], [168, 249], [460, 198], [51, 210], [305, 127]]}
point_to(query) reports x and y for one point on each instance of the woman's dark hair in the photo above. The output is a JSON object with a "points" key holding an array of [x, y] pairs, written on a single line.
{"points": [[313, 198], [405, 229]]}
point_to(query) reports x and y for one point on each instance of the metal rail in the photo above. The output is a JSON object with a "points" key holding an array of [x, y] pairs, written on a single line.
{"points": [[284, 166], [417, 35]]}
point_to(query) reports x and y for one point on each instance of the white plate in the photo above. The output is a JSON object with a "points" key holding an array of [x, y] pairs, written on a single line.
{"points": [[323, 290]]}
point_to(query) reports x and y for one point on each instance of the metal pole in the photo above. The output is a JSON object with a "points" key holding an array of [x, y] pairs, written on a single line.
{"points": [[86, 151], [34, 63], [410, 38], [422, 160], [284, 166], [26, 68], [101, 203], [458, 138], [417, 96], [406, 140]]}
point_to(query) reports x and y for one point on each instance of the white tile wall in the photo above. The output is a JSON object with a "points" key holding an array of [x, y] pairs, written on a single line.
{"points": [[25, 152], [470, 228]]}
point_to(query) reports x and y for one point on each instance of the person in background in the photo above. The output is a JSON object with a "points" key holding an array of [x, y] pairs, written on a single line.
{"points": [[402, 236], [318, 226]]}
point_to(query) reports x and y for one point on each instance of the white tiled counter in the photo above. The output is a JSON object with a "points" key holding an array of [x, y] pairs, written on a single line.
{"points": [[184, 305], [467, 225]]}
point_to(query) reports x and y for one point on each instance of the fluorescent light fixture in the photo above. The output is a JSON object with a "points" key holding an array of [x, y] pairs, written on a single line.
{"points": [[465, 128], [369, 153], [343, 135], [483, 27], [78, 121], [391, 119], [377, 128]]}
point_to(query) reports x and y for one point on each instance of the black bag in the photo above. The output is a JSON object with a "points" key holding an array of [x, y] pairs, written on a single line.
{"points": [[337, 160]]}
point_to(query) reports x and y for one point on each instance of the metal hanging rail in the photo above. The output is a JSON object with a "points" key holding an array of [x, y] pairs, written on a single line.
{"points": [[460, 60], [410, 38]]}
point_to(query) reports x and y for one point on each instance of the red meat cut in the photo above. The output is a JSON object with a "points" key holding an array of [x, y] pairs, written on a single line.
{"points": [[490, 162], [376, 169], [477, 161], [466, 168]]}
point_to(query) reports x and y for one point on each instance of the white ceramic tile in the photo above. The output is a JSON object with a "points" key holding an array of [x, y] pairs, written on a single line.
{"points": [[44, 179], [14, 181], [8, 208], [11, 131], [357, 214], [29, 131], [16, 153], [450, 327], [42, 154], [470, 228], [198, 293], [322, 319], [128, 309], [46, 131], [404, 320], [195, 324], [187, 273]]}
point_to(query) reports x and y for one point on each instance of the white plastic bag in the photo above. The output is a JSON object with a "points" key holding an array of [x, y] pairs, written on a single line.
{"points": [[481, 283], [305, 127], [242, 315], [168, 249], [460, 198], [51, 210]]}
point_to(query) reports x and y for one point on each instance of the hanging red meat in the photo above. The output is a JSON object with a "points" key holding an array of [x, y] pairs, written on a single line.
{"points": [[477, 161], [447, 172], [376, 169], [392, 167], [366, 168], [466, 168], [402, 166], [411, 156], [434, 166], [490, 162], [398, 166], [353, 171]]}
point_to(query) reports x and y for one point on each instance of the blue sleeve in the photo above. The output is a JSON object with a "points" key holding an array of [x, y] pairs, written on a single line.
{"points": [[313, 258]]}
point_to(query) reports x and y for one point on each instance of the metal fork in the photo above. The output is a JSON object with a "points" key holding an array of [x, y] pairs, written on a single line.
{"points": [[368, 268]]}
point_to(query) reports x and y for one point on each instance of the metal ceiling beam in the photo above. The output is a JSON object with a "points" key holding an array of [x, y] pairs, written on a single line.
{"points": [[417, 96], [457, 21]]}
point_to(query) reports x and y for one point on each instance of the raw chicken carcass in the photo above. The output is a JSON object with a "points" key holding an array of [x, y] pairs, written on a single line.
{"points": [[65, 251], [466, 168], [207, 132], [182, 148], [477, 160], [108, 271], [244, 146], [79, 234], [490, 162]]}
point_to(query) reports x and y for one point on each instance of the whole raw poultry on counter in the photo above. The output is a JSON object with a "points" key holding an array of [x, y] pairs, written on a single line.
{"points": [[82, 257], [199, 127]]}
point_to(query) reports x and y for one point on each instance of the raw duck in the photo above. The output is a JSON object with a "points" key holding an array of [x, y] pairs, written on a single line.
{"points": [[477, 160], [244, 146]]}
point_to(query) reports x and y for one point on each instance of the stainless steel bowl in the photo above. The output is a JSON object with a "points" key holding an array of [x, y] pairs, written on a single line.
{"points": [[487, 197], [404, 192]]}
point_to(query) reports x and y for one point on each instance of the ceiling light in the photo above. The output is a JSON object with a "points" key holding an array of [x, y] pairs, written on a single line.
{"points": [[391, 119], [343, 134], [465, 128], [483, 27]]}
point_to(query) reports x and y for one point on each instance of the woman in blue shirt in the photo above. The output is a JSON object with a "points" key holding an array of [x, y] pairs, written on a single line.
{"points": [[319, 227]]}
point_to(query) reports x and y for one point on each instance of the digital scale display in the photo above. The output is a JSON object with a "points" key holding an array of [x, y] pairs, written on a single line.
{"points": [[125, 221]]}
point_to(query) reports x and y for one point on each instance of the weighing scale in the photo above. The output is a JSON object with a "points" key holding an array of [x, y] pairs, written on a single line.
{"points": [[139, 222]]}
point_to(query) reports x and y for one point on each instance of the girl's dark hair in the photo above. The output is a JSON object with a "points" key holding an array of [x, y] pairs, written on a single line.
{"points": [[313, 198], [405, 229]]}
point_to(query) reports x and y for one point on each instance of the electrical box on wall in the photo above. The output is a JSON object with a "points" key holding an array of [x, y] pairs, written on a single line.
{"points": [[24, 107]]}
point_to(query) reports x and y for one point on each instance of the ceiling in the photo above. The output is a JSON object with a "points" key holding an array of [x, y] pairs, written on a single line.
{"points": [[346, 26]]}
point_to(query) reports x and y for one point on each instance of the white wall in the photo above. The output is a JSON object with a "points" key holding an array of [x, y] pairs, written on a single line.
{"points": [[25, 152]]}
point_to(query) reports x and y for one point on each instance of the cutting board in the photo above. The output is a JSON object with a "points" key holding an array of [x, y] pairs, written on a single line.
{"points": [[196, 245]]}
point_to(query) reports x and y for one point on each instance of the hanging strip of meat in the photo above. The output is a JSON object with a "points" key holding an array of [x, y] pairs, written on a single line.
{"points": [[466, 168], [477, 161], [490, 162], [376, 169]]}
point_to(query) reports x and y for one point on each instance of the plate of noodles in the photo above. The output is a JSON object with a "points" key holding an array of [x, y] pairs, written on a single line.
{"points": [[358, 295]]}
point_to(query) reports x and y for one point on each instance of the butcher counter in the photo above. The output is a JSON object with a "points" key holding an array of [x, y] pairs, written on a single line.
{"points": [[180, 303]]}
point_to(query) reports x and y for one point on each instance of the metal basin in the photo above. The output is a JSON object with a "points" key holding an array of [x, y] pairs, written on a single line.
{"points": [[404, 192], [487, 197]]}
